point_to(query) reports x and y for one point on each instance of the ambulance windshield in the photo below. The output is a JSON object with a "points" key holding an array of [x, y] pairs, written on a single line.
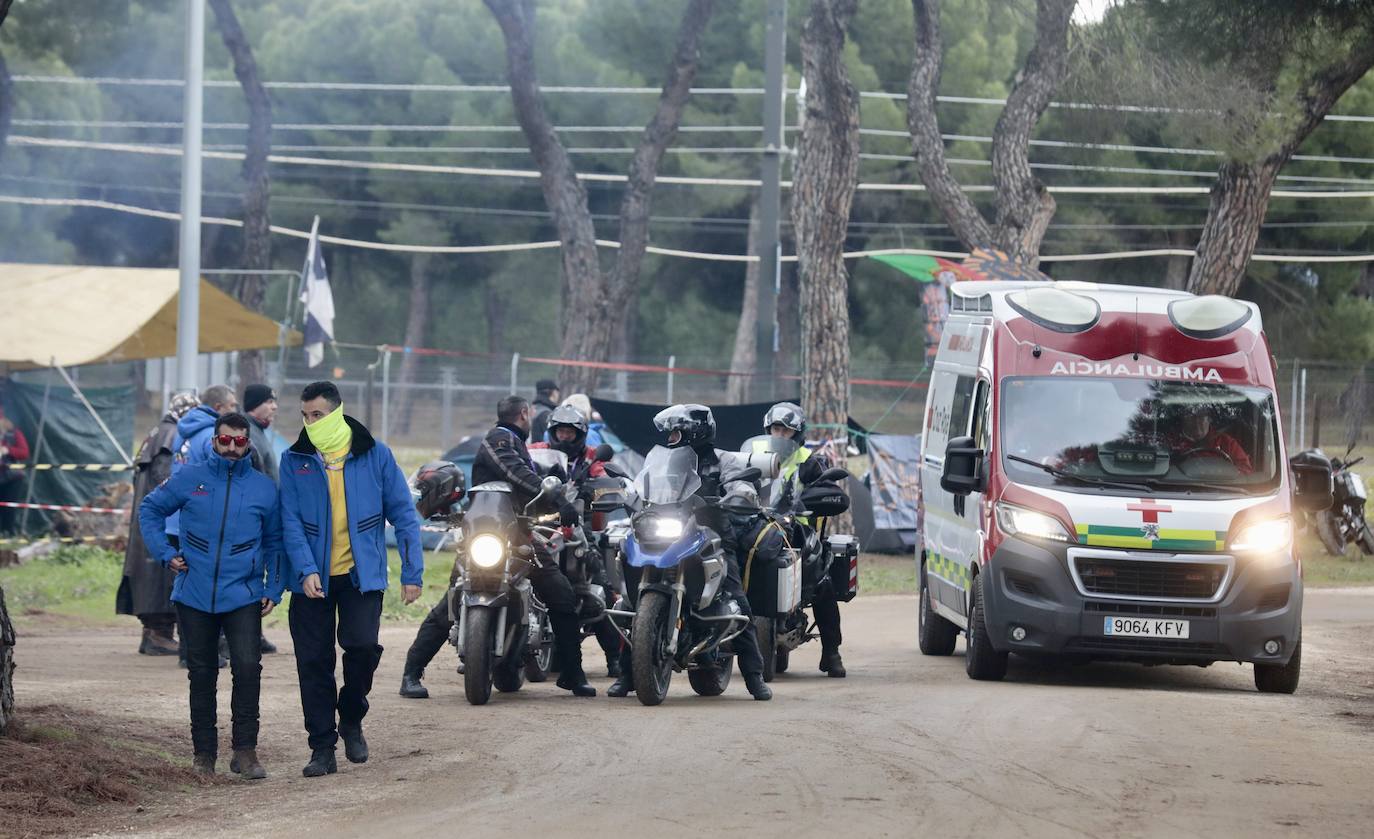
{"points": [[1086, 434]]}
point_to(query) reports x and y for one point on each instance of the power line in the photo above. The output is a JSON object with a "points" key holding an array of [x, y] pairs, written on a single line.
{"points": [[443, 169], [393, 87], [714, 257]]}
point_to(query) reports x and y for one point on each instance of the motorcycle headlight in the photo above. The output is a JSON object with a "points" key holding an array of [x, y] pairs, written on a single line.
{"points": [[1269, 535], [486, 551], [1019, 521], [665, 528]]}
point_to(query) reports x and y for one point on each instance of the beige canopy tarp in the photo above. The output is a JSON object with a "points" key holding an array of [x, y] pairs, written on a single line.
{"points": [[77, 314]]}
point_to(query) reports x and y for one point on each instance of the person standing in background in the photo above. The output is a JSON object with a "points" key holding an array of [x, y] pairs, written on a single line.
{"points": [[260, 404], [146, 587], [546, 396], [13, 449]]}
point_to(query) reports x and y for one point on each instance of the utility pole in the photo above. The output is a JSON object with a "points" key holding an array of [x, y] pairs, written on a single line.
{"points": [[770, 197], [188, 296]]}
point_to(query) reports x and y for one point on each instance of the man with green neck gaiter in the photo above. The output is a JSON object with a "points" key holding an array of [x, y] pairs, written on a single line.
{"points": [[339, 489]]}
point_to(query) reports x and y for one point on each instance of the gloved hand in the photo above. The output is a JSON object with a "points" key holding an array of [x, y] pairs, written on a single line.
{"points": [[567, 514]]}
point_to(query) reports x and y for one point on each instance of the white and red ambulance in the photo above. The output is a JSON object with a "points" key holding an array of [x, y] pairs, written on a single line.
{"points": [[1103, 477]]}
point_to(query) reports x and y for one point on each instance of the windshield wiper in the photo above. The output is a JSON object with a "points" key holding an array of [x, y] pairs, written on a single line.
{"points": [[1186, 485], [1083, 479]]}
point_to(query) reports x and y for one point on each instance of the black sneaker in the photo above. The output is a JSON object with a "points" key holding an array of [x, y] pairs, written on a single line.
{"points": [[757, 688], [321, 763], [411, 688], [355, 745]]}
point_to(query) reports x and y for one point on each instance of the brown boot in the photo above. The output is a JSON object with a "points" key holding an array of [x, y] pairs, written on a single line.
{"points": [[157, 642], [246, 764], [203, 764]]}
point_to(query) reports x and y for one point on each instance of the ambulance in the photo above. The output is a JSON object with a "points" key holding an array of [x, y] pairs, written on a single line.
{"points": [[1103, 476]]}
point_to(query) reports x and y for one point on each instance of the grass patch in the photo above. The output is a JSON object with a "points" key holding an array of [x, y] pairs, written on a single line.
{"points": [[887, 574], [1320, 569], [78, 581]]}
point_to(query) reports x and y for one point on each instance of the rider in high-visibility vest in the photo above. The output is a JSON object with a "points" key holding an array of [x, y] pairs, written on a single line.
{"points": [[787, 421]]}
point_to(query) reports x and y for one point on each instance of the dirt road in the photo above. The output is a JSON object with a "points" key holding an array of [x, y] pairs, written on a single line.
{"points": [[907, 745]]}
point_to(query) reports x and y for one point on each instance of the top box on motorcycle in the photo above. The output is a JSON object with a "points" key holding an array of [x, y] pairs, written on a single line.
{"points": [[824, 498]]}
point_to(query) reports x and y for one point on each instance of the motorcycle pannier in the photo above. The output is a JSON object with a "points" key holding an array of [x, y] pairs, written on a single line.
{"points": [[844, 567], [773, 576]]}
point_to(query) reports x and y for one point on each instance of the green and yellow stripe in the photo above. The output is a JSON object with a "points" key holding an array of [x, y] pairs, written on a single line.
{"points": [[1170, 539]]}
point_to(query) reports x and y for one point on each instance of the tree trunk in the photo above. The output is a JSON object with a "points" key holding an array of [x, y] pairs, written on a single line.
{"points": [[1024, 206], [417, 330], [5, 10], [826, 176], [593, 304], [658, 135], [1240, 196], [745, 357], [257, 233], [6, 665], [586, 309]]}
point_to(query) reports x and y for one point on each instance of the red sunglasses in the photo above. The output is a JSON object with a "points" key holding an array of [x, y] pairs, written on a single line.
{"points": [[226, 439]]}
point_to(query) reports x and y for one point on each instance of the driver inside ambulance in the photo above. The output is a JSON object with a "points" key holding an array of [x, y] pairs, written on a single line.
{"points": [[1196, 437]]}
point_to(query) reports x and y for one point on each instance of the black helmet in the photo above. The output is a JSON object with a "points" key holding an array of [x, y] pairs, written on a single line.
{"points": [[566, 416], [696, 423], [788, 415]]}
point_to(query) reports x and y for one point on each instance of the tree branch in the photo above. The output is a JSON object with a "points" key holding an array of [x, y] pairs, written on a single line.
{"points": [[1024, 206], [927, 145], [658, 135]]}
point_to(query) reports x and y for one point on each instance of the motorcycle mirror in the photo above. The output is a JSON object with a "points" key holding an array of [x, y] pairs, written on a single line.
{"points": [[549, 485], [604, 452], [834, 474], [614, 471]]}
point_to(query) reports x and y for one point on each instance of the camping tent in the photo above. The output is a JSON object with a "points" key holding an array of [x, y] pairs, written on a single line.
{"points": [[60, 316], [67, 315]]}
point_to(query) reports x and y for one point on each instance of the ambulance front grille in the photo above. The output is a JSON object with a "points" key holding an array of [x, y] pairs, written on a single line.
{"points": [[1144, 578]]}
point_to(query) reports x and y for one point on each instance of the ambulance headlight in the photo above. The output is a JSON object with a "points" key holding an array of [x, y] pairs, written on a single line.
{"points": [[1019, 521], [486, 551], [1270, 536]]}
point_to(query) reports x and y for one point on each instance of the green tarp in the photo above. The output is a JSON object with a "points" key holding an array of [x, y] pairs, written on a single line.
{"points": [[71, 435]]}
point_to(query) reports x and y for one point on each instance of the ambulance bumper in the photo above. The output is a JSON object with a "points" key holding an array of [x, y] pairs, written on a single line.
{"points": [[1034, 606]]}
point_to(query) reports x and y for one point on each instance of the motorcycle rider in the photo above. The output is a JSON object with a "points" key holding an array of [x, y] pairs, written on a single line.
{"points": [[786, 421], [504, 457], [568, 429], [695, 426]]}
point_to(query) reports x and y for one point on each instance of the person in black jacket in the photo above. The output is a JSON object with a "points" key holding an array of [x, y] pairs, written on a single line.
{"points": [[546, 395], [504, 457]]}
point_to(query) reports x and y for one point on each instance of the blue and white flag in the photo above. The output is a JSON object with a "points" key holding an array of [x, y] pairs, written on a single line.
{"points": [[318, 299]]}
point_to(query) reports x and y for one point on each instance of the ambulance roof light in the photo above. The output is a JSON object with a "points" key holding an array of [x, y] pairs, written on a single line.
{"points": [[1056, 309], [1210, 316]]}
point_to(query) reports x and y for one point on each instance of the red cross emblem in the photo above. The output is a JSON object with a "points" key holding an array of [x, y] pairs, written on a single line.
{"points": [[1149, 510]]}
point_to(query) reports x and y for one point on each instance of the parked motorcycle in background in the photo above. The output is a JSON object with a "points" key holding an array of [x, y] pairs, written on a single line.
{"points": [[1345, 522]]}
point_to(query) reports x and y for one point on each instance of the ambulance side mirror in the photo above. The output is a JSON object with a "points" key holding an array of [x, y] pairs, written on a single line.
{"points": [[963, 472], [1312, 485]]}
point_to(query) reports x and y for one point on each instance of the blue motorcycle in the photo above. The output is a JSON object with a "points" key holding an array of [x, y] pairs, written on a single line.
{"points": [[673, 569]]}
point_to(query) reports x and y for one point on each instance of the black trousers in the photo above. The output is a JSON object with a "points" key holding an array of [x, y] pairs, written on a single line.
{"points": [[826, 609], [430, 639], [201, 631], [355, 618]]}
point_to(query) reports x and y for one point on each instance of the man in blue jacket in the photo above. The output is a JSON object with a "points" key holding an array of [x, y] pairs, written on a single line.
{"points": [[228, 577], [339, 487]]}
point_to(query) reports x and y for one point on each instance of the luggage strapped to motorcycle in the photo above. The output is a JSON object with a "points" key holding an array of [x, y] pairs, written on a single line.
{"points": [[749, 559]]}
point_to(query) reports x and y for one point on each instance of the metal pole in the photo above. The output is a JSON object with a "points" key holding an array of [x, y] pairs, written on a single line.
{"points": [[1293, 413], [770, 193], [386, 396], [1302, 410], [672, 362], [109, 435], [514, 370], [37, 454], [446, 378], [188, 295]]}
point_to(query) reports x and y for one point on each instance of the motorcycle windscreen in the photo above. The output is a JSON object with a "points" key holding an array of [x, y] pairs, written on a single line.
{"points": [[489, 511], [668, 476]]}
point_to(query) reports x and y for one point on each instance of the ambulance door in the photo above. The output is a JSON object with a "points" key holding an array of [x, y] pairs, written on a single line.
{"points": [[970, 530], [950, 521]]}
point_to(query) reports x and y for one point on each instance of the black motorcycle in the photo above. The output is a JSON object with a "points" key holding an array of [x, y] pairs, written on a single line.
{"points": [[499, 624], [813, 562], [1345, 522]]}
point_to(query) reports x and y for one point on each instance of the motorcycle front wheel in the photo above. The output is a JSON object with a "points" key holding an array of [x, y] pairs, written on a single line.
{"points": [[712, 681], [1329, 531], [477, 654], [652, 666]]}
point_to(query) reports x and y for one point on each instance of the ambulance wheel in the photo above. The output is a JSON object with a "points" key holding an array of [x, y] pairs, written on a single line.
{"points": [[934, 634], [980, 659], [1280, 678]]}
